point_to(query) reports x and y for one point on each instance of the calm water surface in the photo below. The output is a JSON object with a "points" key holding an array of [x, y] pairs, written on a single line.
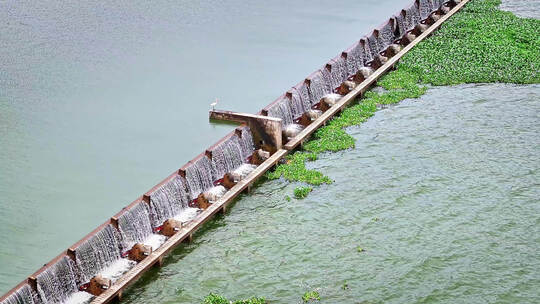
{"points": [[101, 100], [441, 193]]}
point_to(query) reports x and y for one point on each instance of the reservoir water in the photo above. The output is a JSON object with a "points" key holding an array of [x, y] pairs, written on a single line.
{"points": [[98, 102]]}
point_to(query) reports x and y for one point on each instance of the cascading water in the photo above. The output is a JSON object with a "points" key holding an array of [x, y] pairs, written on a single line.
{"points": [[374, 45], [355, 58], [97, 253], [289, 108], [241, 172], [335, 72], [134, 225], [167, 201], [58, 282], [23, 295], [215, 193], [199, 176], [226, 157], [298, 101], [301, 93], [246, 143], [282, 109], [386, 35], [425, 8], [412, 16], [318, 87]]}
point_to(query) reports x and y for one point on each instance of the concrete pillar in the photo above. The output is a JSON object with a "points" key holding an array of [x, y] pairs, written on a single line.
{"points": [[266, 130]]}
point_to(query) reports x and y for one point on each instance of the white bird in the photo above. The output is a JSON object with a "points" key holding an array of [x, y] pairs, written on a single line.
{"points": [[213, 104]]}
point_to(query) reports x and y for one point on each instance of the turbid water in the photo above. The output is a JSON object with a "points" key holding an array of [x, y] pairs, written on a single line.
{"points": [[100, 101], [441, 193], [522, 8], [96, 106]]}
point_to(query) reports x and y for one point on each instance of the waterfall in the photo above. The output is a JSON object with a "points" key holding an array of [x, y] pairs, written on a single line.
{"points": [[318, 87], [337, 72], [281, 109], [168, 200], [401, 24], [299, 101], [199, 176], [97, 253], [355, 58], [23, 295], [134, 225], [301, 98], [386, 36], [58, 282], [246, 143], [425, 8], [226, 156], [373, 44], [289, 108], [412, 16]]}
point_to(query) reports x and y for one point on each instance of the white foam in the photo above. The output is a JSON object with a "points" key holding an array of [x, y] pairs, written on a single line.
{"points": [[331, 98], [117, 269], [241, 172], [187, 215], [155, 241], [292, 130], [215, 193], [79, 297]]}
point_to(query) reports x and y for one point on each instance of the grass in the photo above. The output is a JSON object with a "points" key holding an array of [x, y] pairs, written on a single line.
{"points": [[218, 299], [480, 44]]}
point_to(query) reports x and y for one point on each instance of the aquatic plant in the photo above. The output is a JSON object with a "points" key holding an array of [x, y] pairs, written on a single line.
{"points": [[295, 170], [479, 44], [251, 301], [311, 296], [302, 192], [213, 298]]}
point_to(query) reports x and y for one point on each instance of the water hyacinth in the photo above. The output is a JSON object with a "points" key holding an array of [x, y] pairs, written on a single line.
{"points": [[480, 44], [218, 299]]}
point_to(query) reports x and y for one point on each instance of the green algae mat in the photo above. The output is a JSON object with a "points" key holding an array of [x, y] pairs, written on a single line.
{"points": [[480, 44]]}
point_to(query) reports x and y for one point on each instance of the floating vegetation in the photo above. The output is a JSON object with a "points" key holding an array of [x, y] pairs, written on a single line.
{"points": [[360, 249], [480, 44], [302, 192], [295, 170], [218, 299], [310, 296]]}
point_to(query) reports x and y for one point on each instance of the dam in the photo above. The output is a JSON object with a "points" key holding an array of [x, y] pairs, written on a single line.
{"points": [[102, 264]]}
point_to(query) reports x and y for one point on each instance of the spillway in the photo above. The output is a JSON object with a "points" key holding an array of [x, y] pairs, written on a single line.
{"points": [[168, 200]]}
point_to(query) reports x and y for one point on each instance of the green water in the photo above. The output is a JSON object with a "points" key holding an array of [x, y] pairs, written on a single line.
{"points": [[441, 193]]}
